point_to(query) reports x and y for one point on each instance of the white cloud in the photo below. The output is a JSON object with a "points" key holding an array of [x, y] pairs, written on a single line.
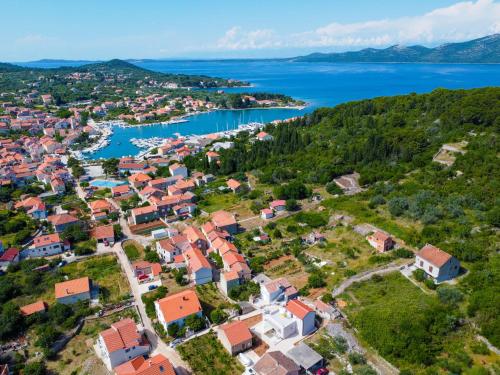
{"points": [[458, 22], [238, 39]]}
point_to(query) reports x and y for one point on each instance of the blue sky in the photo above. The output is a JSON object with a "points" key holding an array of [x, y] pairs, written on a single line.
{"points": [[103, 29]]}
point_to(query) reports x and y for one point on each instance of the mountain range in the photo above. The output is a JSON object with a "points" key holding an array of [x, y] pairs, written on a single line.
{"points": [[482, 50]]}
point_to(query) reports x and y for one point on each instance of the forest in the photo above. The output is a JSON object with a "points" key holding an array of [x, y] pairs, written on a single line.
{"points": [[390, 142]]}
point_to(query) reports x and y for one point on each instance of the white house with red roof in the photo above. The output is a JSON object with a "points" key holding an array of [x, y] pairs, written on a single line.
{"points": [[263, 136], [235, 337], [47, 245], [266, 214], [278, 205], [437, 263], [304, 314], [8, 257], [121, 343], [178, 170], [166, 250], [177, 307], [199, 268], [156, 365]]}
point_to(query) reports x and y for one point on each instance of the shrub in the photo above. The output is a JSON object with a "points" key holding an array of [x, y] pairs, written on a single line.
{"points": [[398, 206], [403, 253], [195, 323], [429, 283], [217, 316], [316, 280], [291, 205], [327, 298], [449, 295], [356, 358], [333, 188], [419, 275]]}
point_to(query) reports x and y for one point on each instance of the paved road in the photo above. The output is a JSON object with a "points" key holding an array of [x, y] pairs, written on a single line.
{"points": [[365, 276], [157, 345]]}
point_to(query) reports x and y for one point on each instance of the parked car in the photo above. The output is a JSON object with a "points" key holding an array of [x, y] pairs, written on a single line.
{"points": [[152, 287], [174, 343], [322, 371], [62, 263]]}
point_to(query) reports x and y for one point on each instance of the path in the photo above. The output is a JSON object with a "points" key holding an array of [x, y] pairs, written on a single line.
{"points": [[365, 276]]}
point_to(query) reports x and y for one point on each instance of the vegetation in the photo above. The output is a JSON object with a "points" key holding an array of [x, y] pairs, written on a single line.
{"points": [[206, 356]]}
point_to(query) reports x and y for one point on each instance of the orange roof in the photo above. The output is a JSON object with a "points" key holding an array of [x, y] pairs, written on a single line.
{"points": [[157, 365], [103, 231], [72, 287], [139, 177], [167, 245], [46, 239], [434, 255], [179, 305], [120, 189], [298, 308], [196, 260], [261, 134], [143, 210], [62, 219], [380, 236], [230, 275], [233, 184], [193, 234], [33, 308], [223, 218], [236, 332], [141, 264], [121, 335]]}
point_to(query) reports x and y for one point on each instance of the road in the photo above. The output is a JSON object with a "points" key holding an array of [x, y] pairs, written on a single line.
{"points": [[157, 345], [365, 276]]}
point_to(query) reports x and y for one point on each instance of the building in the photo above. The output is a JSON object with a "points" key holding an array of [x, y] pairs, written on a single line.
{"points": [[104, 233], [141, 215], [100, 209], [178, 170], [266, 214], [263, 136], [166, 250], [224, 221], [62, 221], [229, 280], [304, 314], [33, 308], [139, 180], [212, 156], [145, 270], [72, 291], [235, 337], [47, 245], [308, 359], [8, 257], [278, 290], [437, 263], [380, 241], [278, 205], [282, 322], [156, 365], [234, 185], [121, 191], [121, 343], [274, 363], [199, 268], [177, 307]]}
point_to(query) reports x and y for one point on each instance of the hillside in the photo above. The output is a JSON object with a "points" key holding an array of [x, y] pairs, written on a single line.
{"points": [[391, 142], [482, 50]]}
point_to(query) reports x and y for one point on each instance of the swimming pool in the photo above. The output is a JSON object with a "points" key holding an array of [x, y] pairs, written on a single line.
{"points": [[106, 183]]}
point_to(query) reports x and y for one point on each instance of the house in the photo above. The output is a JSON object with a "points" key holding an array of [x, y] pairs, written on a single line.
{"points": [[62, 221], [224, 221], [104, 233], [229, 280], [139, 180], [212, 156], [167, 251], [278, 205], [304, 314], [47, 245], [278, 290], [156, 365], [313, 238], [72, 291], [177, 307], [274, 363], [33, 308], [121, 191], [100, 209], [234, 185], [282, 323], [263, 136], [380, 241], [266, 214], [308, 359], [8, 257], [145, 271], [141, 215], [121, 342], [235, 337], [33, 207], [58, 185], [184, 209], [199, 269], [178, 170], [196, 237], [437, 263]]}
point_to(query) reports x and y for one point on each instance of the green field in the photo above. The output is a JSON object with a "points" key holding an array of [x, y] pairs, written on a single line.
{"points": [[207, 356]]}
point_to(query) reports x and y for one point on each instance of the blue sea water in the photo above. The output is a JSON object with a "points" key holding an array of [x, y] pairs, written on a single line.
{"points": [[319, 84]]}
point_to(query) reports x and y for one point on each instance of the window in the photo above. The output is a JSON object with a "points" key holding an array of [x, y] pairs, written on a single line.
{"points": [[430, 268], [421, 263]]}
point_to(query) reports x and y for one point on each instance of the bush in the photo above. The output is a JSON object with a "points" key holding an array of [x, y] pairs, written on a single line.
{"points": [[398, 206], [327, 298], [35, 368], [195, 323], [333, 188], [291, 205], [316, 280], [356, 358], [419, 275], [403, 253], [479, 347], [218, 316], [244, 291], [449, 295], [376, 200], [429, 283]]}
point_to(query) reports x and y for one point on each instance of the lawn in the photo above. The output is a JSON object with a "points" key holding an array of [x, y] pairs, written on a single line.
{"points": [[79, 356], [133, 249], [207, 356], [411, 329], [104, 271], [218, 201]]}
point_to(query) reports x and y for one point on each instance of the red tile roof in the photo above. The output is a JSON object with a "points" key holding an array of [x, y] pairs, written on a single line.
{"points": [[236, 332], [157, 365], [298, 308], [46, 239], [434, 255], [9, 255], [121, 335], [179, 305], [33, 308], [72, 287]]}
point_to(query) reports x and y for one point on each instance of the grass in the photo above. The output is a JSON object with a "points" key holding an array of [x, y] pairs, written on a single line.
{"points": [[78, 356], [104, 271], [217, 201], [390, 308], [133, 249], [206, 356], [211, 298]]}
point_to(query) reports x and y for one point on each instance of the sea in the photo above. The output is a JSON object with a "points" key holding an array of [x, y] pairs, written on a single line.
{"points": [[318, 84]]}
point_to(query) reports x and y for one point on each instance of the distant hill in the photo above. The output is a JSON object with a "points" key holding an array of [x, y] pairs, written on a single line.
{"points": [[482, 50]]}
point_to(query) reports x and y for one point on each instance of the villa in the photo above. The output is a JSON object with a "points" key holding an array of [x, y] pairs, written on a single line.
{"points": [[437, 263], [177, 307], [47, 245], [72, 291]]}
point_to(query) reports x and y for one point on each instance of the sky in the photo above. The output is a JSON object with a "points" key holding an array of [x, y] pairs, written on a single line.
{"points": [[105, 29]]}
